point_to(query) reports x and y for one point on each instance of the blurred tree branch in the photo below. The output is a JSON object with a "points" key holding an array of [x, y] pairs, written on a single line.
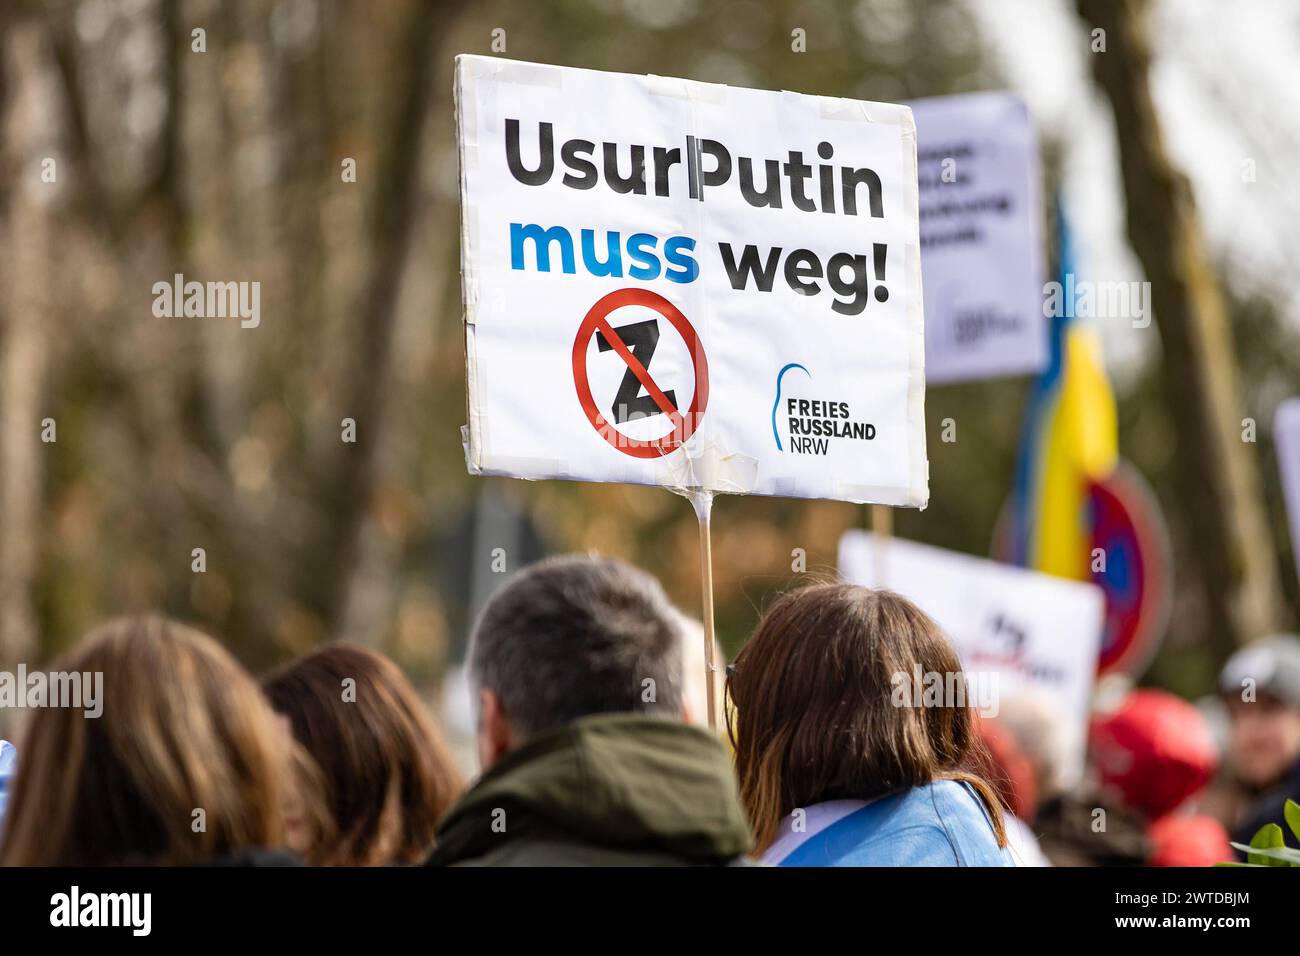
{"points": [[349, 470]]}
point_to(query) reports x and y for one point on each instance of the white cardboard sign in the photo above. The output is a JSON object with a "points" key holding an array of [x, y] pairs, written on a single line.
{"points": [[690, 285], [1014, 629], [1286, 437], [981, 242]]}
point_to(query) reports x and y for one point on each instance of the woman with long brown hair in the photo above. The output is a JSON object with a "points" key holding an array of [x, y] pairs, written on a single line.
{"points": [[854, 742], [184, 764], [386, 775]]}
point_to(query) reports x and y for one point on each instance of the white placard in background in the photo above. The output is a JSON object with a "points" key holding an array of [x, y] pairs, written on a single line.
{"points": [[981, 237], [755, 255], [1286, 436], [1034, 631]]}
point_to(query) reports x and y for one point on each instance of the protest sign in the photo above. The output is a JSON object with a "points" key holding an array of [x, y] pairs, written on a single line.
{"points": [[1015, 630], [690, 285], [981, 245], [1286, 436]]}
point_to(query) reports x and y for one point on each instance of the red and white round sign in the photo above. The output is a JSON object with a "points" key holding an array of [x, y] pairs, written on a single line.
{"points": [[635, 358]]}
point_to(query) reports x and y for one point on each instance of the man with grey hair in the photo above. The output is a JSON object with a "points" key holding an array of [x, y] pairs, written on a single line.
{"points": [[1260, 687], [576, 663]]}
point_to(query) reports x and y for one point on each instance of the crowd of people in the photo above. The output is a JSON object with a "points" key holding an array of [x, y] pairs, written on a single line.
{"points": [[591, 750]]}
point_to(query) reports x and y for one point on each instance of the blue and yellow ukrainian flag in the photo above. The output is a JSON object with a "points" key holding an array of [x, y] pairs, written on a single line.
{"points": [[1070, 440]]}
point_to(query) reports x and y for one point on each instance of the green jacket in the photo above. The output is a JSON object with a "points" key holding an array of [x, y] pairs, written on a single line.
{"points": [[607, 790]]}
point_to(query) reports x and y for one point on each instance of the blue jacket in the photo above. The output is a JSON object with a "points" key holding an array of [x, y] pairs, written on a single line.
{"points": [[943, 823]]}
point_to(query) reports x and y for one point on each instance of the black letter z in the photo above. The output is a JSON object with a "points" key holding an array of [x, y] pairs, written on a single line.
{"points": [[641, 339]]}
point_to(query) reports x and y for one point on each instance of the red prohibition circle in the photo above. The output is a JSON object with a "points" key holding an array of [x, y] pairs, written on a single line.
{"points": [[597, 320]]}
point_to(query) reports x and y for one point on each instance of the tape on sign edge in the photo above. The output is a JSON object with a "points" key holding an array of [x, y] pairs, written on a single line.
{"points": [[467, 69], [530, 469], [470, 465], [466, 106], [472, 431], [891, 495], [696, 91], [473, 65], [519, 72], [470, 292], [707, 467], [840, 108], [466, 126]]}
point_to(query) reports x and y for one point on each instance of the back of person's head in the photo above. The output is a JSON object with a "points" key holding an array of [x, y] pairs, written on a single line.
{"points": [[385, 773], [1008, 770], [817, 711], [185, 764], [1041, 732], [570, 637]]}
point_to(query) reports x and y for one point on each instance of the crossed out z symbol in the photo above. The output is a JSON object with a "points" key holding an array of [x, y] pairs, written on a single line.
{"points": [[635, 344], [641, 339]]}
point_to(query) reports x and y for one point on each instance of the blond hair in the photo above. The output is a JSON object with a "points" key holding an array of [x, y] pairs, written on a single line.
{"points": [[185, 765]]}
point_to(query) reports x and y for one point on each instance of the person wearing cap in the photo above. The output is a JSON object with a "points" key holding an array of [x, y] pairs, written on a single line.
{"points": [[1260, 687]]}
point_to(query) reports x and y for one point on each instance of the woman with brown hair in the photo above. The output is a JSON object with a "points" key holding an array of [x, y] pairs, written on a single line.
{"points": [[386, 776], [185, 763], [854, 740]]}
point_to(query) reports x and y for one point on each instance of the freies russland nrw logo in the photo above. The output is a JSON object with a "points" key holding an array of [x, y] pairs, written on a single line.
{"points": [[811, 423]]}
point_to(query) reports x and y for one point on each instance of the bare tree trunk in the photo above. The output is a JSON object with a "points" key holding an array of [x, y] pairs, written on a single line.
{"points": [[348, 475], [26, 232], [1220, 493]]}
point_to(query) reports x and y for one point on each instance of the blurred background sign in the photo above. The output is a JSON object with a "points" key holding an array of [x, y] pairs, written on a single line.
{"points": [[1286, 437], [981, 237]]}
